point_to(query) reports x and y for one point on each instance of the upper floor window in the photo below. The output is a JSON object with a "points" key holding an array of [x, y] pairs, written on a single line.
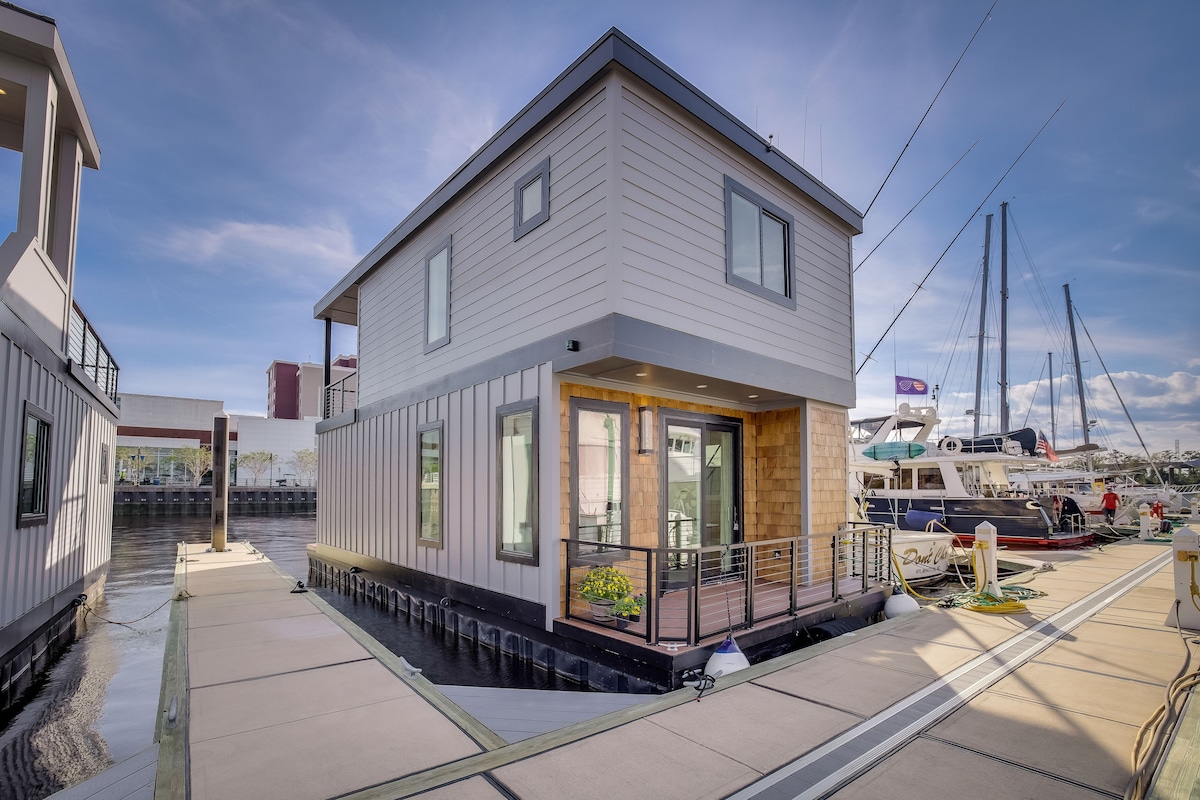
{"points": [[531, 199], [758, 245], [429, 484], [33, 506], [517, 483], [437, 296]]}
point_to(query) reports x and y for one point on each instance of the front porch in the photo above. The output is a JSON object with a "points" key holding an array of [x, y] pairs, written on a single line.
{"points": [[692, 595]]}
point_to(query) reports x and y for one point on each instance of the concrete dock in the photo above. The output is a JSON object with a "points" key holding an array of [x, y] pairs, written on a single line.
{"points": [[273, 694]]}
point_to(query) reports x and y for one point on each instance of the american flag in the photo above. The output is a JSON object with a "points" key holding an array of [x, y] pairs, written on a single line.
{"points": [[1043, 447]]}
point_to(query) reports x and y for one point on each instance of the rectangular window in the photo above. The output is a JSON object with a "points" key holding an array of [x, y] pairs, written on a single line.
{"points": [[758, 245], [437, 296], [517, 483], [429, 484], [104, 461], [531, 199], [599, 465], [33, 506]]}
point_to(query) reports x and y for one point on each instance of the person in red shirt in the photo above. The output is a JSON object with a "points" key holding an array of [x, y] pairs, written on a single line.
{"points": [[1109, 502]]}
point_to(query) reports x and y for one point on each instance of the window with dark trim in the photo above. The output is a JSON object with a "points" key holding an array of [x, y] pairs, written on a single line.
{"points": [[430, 477], [437, 296], [531, 199], [33, 503], [758, 245], [104, 462], [600, 470], [517, 482]]}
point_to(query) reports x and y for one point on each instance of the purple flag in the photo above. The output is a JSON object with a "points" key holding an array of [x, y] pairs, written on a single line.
{"points": [[910, 386]]}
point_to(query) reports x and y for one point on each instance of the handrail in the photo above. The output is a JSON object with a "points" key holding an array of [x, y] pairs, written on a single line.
{"points": [[692, 593], [341, 396], [86, 349]]}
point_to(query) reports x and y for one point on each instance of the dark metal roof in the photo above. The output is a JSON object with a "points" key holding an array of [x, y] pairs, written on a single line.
{"points": [[614, 48]]}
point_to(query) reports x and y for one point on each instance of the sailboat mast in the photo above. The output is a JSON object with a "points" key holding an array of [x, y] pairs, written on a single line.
{"points": [[1004, 316], [1053, 430], [983, 293], [1083, 417]]}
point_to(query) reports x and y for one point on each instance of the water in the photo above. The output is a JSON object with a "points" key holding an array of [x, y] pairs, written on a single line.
{"points": [[99, 703]]}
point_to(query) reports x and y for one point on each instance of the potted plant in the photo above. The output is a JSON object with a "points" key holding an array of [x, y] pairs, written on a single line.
{"points": [[630, 607], [602, 587]]}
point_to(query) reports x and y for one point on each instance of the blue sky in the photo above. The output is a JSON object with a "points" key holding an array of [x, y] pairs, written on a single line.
{"points": [[253, 151]]}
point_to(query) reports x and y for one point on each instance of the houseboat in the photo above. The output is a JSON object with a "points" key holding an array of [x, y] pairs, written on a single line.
{"points": [[58, 412], [620, 338], [909, 479]]}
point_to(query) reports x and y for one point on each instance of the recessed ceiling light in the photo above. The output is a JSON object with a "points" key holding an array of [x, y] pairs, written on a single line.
{"points": [[701, 385], [641, 374], [753, 396]]}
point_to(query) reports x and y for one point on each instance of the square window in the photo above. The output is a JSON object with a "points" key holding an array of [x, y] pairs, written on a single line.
{"points": [[517, 482], [758, 245], [437, 296], [429, 485], [33, 504], [531, 199]]}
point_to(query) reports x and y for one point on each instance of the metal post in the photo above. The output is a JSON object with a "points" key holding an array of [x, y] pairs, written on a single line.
{"points": [[220, 480], [983, 292], [1004, 426]]}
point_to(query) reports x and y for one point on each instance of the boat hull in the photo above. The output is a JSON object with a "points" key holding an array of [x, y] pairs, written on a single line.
{"points": [[1019, 521], [922, 557]]}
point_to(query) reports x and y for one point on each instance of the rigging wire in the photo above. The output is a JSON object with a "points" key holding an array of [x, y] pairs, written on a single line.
{"points": [[1121, 400], [992, 191], [914, 208], [926, 114]]}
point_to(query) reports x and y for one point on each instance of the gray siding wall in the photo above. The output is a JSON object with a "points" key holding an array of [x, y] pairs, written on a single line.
{"points": [[38, 562], [367, 484], [672, 217], [503, 294]]}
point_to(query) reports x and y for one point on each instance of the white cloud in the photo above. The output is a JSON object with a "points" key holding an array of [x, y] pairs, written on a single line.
{"points": [[305, 254]]}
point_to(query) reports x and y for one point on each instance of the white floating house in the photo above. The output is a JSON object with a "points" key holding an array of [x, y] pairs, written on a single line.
{"points": [[58, 414], [619, 335]]}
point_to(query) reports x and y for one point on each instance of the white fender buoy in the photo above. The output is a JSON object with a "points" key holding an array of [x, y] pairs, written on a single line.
{"points": [[726, 659], [898, 605]]}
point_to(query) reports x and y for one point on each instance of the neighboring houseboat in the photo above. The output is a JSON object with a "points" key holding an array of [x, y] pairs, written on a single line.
{"points": [[57, 410], [619, 335]]}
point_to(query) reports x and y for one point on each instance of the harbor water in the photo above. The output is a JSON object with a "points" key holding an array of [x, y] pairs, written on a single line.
{"points": [[98, 704]]}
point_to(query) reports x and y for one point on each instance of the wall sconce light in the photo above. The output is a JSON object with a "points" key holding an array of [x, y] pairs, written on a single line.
{"points": [[645, 430]]}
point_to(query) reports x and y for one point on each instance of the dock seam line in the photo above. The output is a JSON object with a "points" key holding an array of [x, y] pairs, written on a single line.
{"points": [[1073, 615]]}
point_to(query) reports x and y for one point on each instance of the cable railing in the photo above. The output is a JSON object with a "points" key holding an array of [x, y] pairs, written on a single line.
{"points": [[86, 349], [341, 396], [686, 594]]}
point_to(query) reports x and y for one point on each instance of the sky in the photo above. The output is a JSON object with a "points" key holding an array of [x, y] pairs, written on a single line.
{"points": [[254, 150]]}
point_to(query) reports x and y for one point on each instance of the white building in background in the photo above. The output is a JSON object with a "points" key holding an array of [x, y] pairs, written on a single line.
{"points": [[58, 414], [154, 428]]}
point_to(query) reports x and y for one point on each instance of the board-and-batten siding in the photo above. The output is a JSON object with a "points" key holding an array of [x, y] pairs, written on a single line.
{"points": [[502, 293], [672, 201], [39, 562], [368, 486]]}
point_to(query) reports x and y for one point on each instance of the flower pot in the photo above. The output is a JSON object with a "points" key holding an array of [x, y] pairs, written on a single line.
{"points": [[602, 609]]}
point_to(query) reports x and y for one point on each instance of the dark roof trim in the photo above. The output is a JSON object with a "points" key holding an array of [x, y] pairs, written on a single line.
{"points": [[613, 47]]}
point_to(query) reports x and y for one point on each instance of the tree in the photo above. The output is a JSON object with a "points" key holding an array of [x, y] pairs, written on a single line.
{"points": [[196, 460], [133, 461], [256, 462], [304, 462]]}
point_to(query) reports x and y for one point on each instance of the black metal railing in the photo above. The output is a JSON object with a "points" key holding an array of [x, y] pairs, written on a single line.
{"points": [[684, 595], [341, 396], [86, 349]]}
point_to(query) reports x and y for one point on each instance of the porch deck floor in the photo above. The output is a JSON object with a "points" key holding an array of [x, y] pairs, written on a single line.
{"points": [[937, 702]]}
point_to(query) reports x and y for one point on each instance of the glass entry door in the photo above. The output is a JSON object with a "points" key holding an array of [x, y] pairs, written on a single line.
{"points": [[703, 497]]}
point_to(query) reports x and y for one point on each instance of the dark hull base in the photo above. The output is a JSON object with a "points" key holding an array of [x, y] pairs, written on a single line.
{"points": [[1019, 521]]}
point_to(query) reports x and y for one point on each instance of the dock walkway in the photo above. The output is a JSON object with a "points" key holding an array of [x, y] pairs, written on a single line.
{"points": [[271, 694]]}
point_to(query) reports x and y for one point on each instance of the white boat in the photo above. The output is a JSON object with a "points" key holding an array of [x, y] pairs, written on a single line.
{"points": [[905, 478]]}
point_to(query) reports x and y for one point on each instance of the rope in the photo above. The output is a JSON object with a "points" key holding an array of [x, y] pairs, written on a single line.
{"points": [[89, 610]]}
